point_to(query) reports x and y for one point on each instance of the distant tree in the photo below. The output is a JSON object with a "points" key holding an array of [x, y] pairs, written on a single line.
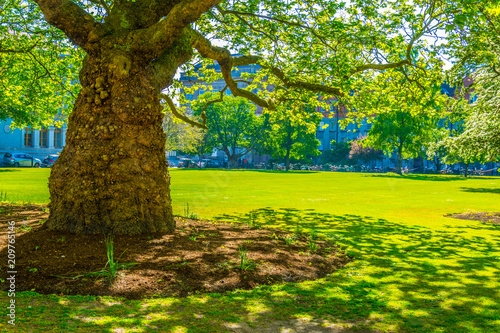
{"points": [[452, 147], [398, 131], [406, 111], [179, 135], [338, 154], [202, 144], [480, 138], [449, 127], [364, 154], [473, 41], [456, 155], [288, 136], [232, 126]]}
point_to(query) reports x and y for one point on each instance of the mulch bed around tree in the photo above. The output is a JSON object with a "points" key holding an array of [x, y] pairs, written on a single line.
{"points": [[200, 257], [491, 217]]}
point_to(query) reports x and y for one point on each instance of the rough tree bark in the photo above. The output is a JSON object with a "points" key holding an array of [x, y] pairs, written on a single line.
{"points": [[112, 174]]}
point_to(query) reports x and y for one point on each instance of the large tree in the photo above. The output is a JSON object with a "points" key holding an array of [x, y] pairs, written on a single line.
{"points": [[473, 41], [112, 174], [290, 133], [406, 110], [233, 127]]}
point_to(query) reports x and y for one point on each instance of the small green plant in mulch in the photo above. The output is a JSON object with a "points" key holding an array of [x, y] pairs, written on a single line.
{"points": [[24, 227], [111, 267], [189, 214], [177, 265], [245, 263], [312, 245], [289, 239]]}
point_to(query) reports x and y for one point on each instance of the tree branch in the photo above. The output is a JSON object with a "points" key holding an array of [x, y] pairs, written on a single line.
{"points": [[238, 15], [167, 63], [181, 116], [226, 62], [47, 72], [161, 35], [76, 23]]}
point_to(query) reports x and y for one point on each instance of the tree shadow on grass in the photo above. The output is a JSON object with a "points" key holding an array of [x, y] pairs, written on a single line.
{"points": [[8, 170], [433, 178], [404, 279], [480, 190], [251, 170], [438, 274]]}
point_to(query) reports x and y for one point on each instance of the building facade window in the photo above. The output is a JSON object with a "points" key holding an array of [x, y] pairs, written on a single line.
{"points": [[43, 138], [57, 138], [28, 137]]}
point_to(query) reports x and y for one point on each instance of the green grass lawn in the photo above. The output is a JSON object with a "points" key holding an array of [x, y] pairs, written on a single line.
{"points": [[415, 270]]}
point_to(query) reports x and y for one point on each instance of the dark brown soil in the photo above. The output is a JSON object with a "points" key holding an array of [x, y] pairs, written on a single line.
{"points": [[200, 257], [491, 217]]}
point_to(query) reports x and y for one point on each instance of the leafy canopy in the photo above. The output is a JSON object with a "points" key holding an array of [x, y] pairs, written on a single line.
{"points": [[38, 67], [290, 133], [305, 49]]}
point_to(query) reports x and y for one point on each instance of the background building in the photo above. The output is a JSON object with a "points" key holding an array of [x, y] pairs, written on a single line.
{"points": [[36, 142]]}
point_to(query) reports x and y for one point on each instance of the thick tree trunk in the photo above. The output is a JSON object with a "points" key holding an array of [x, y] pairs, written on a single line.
{"points": [[112, 174], [288, 148], [232, 161], [287, 159], [400, 160], [437, 163]]}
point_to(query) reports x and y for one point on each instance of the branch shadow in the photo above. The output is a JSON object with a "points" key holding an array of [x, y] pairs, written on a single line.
{"points": [[433, 178], [8, 170], [480, 190], [404, 279]]}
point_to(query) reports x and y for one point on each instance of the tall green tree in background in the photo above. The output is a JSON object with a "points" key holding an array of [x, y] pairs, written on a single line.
{"points": [[180, 136], [473, 40], [290, 133], [233, 127], [406, 112], [112, 174], [398, 131], [338, 154], [202, 144]]}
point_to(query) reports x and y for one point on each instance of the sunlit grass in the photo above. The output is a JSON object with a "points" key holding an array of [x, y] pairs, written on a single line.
{"points": [[415, 270]]}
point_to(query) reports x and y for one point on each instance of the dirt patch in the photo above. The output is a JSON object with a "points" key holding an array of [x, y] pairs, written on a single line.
{"points": [[200, 257], [491, 217]]}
